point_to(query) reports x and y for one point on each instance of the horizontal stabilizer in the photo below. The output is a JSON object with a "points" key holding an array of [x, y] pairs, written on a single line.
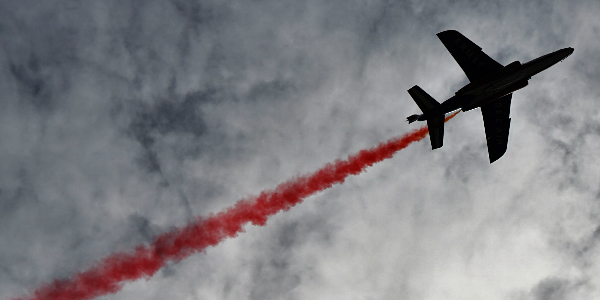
{"points": [[431, 113], [425, 102], [436, 131]]}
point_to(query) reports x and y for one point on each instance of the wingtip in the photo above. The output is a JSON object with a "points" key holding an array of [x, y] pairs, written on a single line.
{"points": [[446, 32], [496, 155]]}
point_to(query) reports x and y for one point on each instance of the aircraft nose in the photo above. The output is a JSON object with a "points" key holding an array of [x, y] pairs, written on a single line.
{"points": [[567, 52], [570, 51]]}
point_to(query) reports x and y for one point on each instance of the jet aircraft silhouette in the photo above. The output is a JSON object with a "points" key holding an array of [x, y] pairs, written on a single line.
{"points": [[491, 87]]}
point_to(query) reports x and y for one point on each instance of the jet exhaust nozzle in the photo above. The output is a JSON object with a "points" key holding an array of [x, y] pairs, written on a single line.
{"points": [[413, 118]]}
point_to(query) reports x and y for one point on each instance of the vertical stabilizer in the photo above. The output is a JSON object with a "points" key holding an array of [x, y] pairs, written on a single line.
{"points": [[431, 113]]}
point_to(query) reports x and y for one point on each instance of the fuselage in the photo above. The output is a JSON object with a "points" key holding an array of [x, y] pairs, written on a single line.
{"points": [[510, 78]]}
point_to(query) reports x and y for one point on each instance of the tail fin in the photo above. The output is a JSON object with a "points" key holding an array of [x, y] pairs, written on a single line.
{"points": [[432, 113]]}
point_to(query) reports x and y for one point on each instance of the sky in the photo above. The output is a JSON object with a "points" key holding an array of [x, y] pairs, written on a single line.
{"points": [[121, 120]]}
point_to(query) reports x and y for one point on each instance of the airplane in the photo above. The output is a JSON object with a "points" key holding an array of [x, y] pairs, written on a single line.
{"points": [[491, 86]]}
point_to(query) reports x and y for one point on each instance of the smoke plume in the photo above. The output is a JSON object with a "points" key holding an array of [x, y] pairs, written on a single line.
{"points": [[109, 275]]}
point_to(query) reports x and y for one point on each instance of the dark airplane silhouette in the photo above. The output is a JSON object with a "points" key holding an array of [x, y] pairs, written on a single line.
{"points": [[491, 87]]}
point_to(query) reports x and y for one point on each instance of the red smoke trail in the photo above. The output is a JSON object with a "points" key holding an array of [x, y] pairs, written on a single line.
{"points": [[110, 274]]}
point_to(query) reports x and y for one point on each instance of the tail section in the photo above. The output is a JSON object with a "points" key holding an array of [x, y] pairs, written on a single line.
{"points": [[425, 102], [436, 131], [431, 113]]}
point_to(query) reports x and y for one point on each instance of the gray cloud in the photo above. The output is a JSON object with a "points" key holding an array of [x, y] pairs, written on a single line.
{"points": [[550, 289], [122, 119]]}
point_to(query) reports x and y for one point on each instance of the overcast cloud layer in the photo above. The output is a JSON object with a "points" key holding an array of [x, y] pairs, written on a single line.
{"points": [[122, 119]]}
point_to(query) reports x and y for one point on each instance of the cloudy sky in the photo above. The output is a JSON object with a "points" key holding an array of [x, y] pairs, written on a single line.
{"points": [[122, 119]]}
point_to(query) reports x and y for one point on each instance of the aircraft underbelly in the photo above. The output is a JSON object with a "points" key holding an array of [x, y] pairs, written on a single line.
{"points": [[480, 99], [486, 98], [498, 89], [505, 82]]}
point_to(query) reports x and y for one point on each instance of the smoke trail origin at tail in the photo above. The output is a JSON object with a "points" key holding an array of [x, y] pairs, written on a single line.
{"points": [[109, 274]]}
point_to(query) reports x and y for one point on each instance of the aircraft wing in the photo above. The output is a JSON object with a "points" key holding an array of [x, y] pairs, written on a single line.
{"points": [[474, 62], [496, 119]]}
